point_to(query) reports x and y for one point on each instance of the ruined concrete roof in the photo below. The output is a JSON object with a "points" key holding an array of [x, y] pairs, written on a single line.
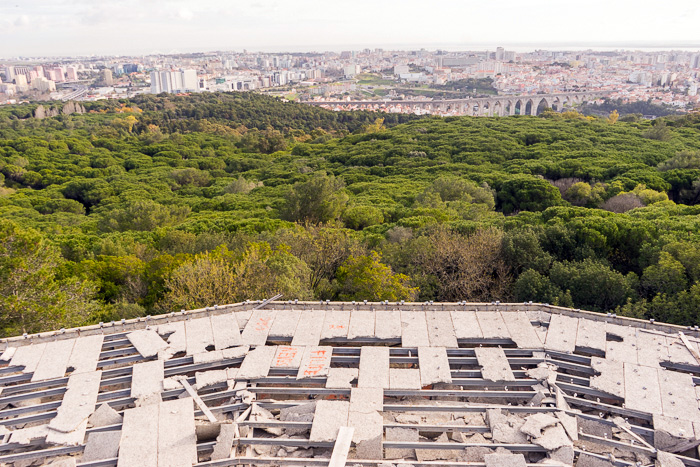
{"points": [[292, 383]]}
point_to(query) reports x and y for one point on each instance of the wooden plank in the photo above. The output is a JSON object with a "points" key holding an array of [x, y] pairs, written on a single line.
{"points": [[138, 445], [78, 402], [690, 347], [441, 333], [226, 331], [561, 334], [315, 363], [590, 335], [177, 442], [54, 360], [642, 391], [147, 381], [374, 367], [678, 398], [288, 357], [494, 364], [652, 349], [147, 342], [198, 400], [285, 323], [86, 353], [258, 327], [521, 330], [624, 351], [611, 379], [308, 330], [256, 363], [388, 324], [341, 447], [492, 325], [361, 324], [328, 418], [466, 325], [434, 365], [414, 329], [28, 356]]}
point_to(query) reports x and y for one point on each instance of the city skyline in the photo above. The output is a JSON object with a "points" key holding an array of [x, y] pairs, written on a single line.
{"points": [[82, 27]]}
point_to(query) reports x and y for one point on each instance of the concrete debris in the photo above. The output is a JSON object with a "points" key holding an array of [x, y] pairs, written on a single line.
{"points": [[104, 416], [671, 433], [204, 379], [406, 435], [475, 453], [594, 427], [589, 460], [534, 424], [665, 459], [505, 460], [328, 418], [569, 424], [564, 454], [147, 342], [298, 413], [101, 445], [260, 414], [544, 372], [423, 455], [553, 438]]}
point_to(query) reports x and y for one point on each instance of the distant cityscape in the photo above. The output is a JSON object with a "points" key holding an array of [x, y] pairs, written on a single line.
{"points": [[667, 78]]}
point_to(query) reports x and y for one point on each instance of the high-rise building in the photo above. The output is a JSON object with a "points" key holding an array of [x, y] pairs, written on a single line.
{"points": [[500, 54], [71, 73], [106, 76], [174, 81], [43, 85]]}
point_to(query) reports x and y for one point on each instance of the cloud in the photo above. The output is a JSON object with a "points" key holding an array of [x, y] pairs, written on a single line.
{"points": [[22, 20], [185, 14]]}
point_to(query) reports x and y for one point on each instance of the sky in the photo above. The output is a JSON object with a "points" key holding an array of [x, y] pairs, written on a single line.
{"points": [[37, 28]]}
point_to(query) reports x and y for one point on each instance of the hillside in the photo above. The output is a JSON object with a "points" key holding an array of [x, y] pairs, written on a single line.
{"points": [[163, 203]]}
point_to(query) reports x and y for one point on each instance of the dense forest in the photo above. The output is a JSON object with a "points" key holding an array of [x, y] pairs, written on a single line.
{"points": [[163, 202]]}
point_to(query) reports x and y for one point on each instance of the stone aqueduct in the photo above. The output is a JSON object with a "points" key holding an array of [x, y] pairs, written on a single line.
{"points": [[483, 106]]}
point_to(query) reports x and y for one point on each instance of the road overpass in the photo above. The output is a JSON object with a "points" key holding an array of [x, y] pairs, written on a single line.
{"points": [[478, 106]]}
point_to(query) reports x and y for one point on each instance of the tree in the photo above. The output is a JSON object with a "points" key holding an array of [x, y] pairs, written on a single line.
{"points": [[522, 193], [319, 200], [359, 217], [613, 117], [466, 268], [220, 277], [32, 298], [367, 278], [666, 276]]}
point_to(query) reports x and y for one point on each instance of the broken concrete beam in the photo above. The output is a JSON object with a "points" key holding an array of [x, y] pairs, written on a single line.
{"points": [[388, 324], [138, 445], [374, 367], [147, 342], [521, 330], [553, 438], [309, 329], [404, 378], [494, 364], [258, 327], [78, 402], [285, 323], [85, 354], [54, 360], [104, 416], [505, 460], [361, 324], [177, 439], [414, 329], [466, 325], [226, 331], [147, 381], [199, 335], [328, 418], [665, 459], [535, 423], [256, 363], [434, 365], [561, 334], [224, 442], [315, 363], [611, 377], [101, 445], [341, 378]]}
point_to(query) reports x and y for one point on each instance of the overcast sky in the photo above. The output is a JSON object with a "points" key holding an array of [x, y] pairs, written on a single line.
{"points": [[83, 27]]}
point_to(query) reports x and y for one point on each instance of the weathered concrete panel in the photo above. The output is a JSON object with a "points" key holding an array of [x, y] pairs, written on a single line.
{"points": [[374, 367], [441, 332], [434, 365], [414, 329], [494, 364]]}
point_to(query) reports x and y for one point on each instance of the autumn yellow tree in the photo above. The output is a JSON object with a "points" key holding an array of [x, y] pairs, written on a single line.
{"points": [[612, 118]]}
